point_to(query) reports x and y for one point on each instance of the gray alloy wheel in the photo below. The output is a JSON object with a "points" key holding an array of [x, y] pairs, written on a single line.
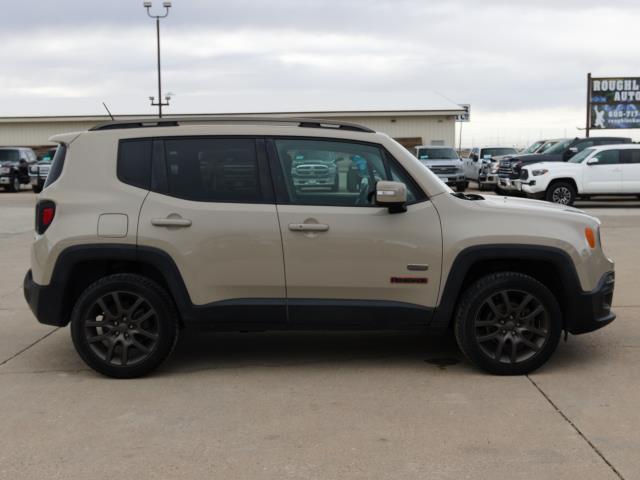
{"points": [[511, 326], [508, 323], [121, 328], [124, 325], [562, 193]]}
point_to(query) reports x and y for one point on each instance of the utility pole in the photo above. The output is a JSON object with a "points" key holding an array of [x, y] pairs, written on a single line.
{"points": [[160, 103]]}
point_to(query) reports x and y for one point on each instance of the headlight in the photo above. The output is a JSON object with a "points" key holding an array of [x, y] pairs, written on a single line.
{"points": [[4, 170], [537, 173]]}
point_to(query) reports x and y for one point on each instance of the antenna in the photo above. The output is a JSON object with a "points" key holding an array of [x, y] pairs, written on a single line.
{"points": [[107, 109]]}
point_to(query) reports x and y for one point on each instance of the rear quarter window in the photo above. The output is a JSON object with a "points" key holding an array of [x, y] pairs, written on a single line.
{"points": [[134, 163], [56, 165]]}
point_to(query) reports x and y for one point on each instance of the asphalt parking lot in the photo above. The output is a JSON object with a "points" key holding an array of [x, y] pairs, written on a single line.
{"points": [[319, 405]]}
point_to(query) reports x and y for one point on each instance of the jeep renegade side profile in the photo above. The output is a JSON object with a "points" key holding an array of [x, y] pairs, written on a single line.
{"points": [[147, 227]]}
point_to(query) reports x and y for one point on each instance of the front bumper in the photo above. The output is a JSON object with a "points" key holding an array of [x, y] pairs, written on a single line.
{"points": [[590, 311], [45, 301], [488, 179], [5, 179], [505, 183], [453, 179]]}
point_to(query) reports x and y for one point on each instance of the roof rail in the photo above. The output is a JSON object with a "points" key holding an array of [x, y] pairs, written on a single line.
{"points": [[174, 122]]}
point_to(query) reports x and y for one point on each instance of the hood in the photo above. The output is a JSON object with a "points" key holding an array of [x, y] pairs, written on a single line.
{"points": [[554, 165], [529, 157], [528, 206]]}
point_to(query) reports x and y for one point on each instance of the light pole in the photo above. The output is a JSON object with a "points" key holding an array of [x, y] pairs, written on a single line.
{"points": [[159, 103]]}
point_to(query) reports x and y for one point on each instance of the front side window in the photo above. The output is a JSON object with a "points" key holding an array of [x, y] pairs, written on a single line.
{"points": [[213, 169], [608, 157], [323, 172]]}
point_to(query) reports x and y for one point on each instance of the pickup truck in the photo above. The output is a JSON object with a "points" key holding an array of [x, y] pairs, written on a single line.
{"points": [[509, 170]]}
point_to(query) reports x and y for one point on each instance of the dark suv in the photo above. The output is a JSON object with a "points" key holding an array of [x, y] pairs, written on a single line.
{"points": [[14, 167], [562, 151]]}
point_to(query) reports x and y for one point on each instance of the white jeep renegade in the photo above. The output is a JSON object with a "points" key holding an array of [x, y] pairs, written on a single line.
{"points": [[146, 227]]}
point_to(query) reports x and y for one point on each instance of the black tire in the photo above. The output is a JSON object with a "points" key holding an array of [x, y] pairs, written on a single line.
{"points": [[36, 188], [482, 332], [563, 193], [14, 184], [461, 187], [481, 186], [150, 331]]}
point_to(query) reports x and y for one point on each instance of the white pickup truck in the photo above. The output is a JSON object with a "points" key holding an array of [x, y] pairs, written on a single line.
{"points": [[605, 170]]}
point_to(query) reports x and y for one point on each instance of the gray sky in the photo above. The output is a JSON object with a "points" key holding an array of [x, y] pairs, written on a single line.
{"points": [[521, 64]]}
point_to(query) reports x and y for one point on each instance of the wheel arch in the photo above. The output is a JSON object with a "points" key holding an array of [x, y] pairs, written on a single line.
{"points": [[551, 266], [77, 267], [569, 180]]}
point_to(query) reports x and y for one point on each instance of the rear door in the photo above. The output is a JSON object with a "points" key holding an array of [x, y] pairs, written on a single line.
{"points": [[212, 211], [631, 171], [604, 176], [347, 260]]}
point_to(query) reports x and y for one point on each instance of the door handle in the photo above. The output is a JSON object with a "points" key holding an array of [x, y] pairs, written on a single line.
{"points": [[171, 222], [308, 227]]}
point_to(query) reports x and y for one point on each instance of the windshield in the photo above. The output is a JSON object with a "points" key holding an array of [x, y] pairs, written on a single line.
{"points": [[579, 157], [559, 147], [9, 155], [437, 154], [495, 152], [534, 147], [547, 146]]}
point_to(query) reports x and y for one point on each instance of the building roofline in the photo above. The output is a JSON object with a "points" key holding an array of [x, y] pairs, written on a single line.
{"points": [[310, 114]]}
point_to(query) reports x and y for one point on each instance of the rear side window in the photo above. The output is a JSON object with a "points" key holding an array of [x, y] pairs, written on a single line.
{"points": [[213, 169], [134, 163], [56, 165], [632, 156]]}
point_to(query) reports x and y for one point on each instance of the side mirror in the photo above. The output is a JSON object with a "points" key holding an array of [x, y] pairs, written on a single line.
{"points": [[474, 157], [593, 161], [392, 195]]}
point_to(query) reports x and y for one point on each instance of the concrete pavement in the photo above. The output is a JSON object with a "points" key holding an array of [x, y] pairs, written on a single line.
{"points": [[320, 406]]}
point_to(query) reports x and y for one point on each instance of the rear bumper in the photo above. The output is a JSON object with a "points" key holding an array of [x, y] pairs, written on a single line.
{"points": [[592, 310], [45, 302]]}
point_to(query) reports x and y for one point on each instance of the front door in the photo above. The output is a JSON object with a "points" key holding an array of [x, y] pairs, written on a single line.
{"points": [[213, 212], [348, 261], [605, 175]]}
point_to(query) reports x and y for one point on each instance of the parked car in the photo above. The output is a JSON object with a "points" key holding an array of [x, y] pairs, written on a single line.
{"points": [[537, 147], [605, 170], [562, 151], [144, 229], [445, 163], [309, 171], [480, 165], [14, 167], [38, 171]]}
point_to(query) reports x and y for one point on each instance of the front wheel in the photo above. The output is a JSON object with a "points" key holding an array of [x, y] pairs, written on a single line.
{"points": [[36, 188], [508, 323], [461, 187], [14, 185], [124, 326], [561, 192]]}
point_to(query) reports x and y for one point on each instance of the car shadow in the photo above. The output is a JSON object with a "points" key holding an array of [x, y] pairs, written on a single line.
{"points": [[198, 351]]}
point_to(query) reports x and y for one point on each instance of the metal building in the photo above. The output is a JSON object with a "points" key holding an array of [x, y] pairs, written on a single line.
{"points": [[409, 127]]}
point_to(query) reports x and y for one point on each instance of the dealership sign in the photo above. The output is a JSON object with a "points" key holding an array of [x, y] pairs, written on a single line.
{"points": [[614, 102]]}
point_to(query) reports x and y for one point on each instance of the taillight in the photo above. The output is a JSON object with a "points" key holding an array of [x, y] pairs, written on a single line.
{"points": [[45, 213]]}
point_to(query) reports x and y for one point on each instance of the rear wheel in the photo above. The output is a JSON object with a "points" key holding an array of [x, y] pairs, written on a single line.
{"points": [[561, 192], [124, 326], [508, 323]]}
